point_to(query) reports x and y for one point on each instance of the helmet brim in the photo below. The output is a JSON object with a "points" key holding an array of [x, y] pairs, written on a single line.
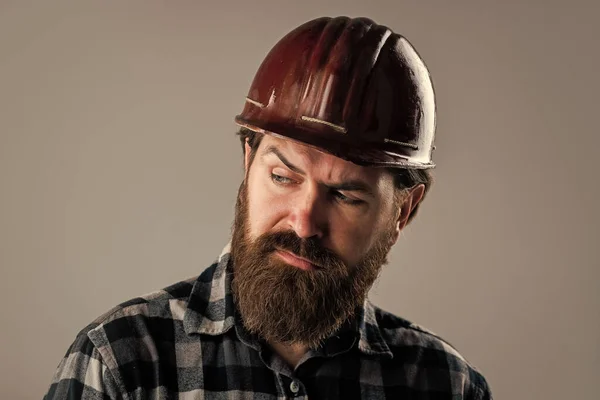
{"points": [[363, 154]]}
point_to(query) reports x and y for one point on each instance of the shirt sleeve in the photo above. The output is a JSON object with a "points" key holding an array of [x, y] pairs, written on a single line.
{"points": [[82, 374], [480, 392]]}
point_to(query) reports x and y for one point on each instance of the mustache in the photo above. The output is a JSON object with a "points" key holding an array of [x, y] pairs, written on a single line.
{"points": [[309, 249]]}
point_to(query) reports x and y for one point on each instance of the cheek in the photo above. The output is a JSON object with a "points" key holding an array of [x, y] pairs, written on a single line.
{"points": [[265, 209], [351, 240]]}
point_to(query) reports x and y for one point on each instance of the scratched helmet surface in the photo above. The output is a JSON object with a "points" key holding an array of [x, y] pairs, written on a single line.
{"points": [[349, 87]]}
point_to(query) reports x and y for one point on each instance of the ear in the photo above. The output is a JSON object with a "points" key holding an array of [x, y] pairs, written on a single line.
{"points": [[408, 204]]}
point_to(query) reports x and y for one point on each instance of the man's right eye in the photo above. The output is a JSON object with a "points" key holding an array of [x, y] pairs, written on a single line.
{"points": [[280, 180]]}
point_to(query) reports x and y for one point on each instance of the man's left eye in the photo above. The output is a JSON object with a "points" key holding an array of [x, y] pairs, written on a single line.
{"points": [[346, 199]]}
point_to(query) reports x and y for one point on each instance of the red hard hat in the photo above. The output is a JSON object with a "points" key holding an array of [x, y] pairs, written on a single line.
{"points": [[349, 87]]}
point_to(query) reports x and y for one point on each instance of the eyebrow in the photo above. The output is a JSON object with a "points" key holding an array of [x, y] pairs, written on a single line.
{"points": [[353, 185], [273, 150]]}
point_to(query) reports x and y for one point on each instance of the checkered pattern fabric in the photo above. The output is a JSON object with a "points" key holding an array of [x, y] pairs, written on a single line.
{"points": [[186, 342]]}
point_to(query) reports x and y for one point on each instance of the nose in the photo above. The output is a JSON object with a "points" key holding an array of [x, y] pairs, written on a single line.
{"points": [[308, 215]]}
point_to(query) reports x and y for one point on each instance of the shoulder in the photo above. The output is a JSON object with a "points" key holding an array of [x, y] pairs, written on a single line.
{"points": [[424, 350], [169, 303], [96, 362], [141, 316], [156, 315]]}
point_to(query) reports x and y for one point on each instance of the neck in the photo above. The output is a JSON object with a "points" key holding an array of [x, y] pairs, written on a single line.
{"points": [[291, 353]]}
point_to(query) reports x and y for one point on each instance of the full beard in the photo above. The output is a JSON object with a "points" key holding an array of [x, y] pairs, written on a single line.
{"points": [[285, 304]]}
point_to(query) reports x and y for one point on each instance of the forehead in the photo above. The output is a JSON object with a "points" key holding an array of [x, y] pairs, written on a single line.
{"points": [[316, 162]]}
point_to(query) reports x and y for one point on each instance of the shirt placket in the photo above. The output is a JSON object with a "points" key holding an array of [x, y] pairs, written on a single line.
{"points": [[288, 386]]}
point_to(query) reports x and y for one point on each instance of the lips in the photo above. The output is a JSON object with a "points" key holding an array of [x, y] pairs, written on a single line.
{"points": [[296, 261]]}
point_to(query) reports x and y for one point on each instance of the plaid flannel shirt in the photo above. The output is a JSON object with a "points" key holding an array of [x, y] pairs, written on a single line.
{"points": [[187, 342]]}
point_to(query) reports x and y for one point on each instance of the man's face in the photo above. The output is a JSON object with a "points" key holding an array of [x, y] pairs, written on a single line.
{"points": [[294, 187], [311, 234]]}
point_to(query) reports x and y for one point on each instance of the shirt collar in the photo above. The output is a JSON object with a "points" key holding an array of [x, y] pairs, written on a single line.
{"points": [[211, 311], [210, 308]]}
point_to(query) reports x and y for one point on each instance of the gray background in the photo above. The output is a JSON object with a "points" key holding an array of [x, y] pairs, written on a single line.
{"points": [[119, 167]]}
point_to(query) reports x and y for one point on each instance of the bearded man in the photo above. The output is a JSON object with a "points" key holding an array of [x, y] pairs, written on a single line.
{"points": [[337, 134]]}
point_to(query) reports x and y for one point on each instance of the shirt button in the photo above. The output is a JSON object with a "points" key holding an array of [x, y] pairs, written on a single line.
{"points": [[294, 387]]}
